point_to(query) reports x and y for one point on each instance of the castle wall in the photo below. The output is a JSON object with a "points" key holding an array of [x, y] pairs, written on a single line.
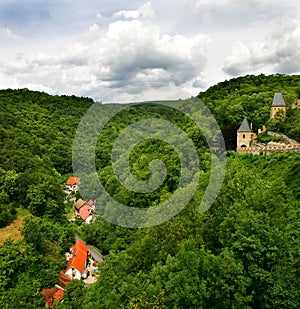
{"points": [[268, 149]]}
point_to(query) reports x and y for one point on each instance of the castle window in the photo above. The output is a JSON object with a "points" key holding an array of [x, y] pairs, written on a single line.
{"points": [[244, 136]]}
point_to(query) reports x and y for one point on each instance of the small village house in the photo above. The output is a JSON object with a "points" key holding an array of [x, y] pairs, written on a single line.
{"points": [[77, 259], [72, 184], [82, 261], [56, 293], [84, 210]]}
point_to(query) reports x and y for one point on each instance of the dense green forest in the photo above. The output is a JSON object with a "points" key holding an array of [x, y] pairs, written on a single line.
{"points": [[242, 253]]}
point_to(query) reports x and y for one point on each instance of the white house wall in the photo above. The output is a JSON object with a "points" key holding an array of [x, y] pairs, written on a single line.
{"points": [[76, 271]]}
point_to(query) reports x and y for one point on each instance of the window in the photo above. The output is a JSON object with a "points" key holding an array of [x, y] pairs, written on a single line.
{"points": [[244, 136]]}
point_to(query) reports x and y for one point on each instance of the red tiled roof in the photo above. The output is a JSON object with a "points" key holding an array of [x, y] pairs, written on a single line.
{"points": [[85, 211], [79, 256], [52, 294], [72, 181], [58, 295], [90, 202], [63, 279]]}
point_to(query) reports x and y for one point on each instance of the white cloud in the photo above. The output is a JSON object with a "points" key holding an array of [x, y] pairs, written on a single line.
{"points": [[145, 11], [200, 83], [126, 52], [99, 15], [127, 14], [151, 91], [8, 34], [137, 51], [280, 51]]}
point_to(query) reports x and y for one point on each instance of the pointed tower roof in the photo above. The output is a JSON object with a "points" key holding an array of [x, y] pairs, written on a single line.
{"points": [[278, 100], [244, 127]]}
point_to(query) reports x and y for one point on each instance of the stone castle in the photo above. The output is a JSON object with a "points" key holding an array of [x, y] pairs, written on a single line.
{"points": [[247, 139]]}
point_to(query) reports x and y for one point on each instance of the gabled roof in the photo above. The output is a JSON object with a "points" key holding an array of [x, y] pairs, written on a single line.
{"points": [[95, 254], [72, 181], [244, 127], [79, 256], [278, 100], [78, 204], [85, 211], [90, 202]]}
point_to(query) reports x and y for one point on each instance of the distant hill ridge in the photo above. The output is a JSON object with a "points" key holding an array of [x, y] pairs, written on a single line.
{"points": [[230, 101]]}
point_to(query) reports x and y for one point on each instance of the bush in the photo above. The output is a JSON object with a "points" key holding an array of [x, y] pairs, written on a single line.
{"points": [[265, 138]]}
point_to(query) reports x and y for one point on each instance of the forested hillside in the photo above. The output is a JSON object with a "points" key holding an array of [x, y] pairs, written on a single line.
{"points": [[36, 144], [241, 253]]}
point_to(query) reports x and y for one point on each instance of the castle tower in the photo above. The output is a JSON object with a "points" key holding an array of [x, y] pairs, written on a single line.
{"points": [[244, 135], [277, 104]]}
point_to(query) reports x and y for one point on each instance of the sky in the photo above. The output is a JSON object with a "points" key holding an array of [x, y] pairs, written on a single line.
{"points": [[135, 50]]}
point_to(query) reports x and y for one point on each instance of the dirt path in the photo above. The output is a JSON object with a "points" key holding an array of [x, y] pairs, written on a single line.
{"points": [[11, 231]]}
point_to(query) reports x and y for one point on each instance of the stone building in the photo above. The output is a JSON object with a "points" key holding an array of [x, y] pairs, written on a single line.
{"points": [[244, 135], [277, 105]]}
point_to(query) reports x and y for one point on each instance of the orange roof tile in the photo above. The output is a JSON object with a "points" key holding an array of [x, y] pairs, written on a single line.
{"points": [[58, 295], [63, 279], [52, 294], [85, 211], [79, 256], [72, 181], [90, 202]]}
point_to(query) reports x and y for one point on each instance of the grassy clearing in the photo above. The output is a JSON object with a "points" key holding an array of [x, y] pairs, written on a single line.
{"points": [[13, 229]]}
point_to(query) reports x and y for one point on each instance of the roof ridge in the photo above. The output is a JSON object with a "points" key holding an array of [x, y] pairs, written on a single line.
{"points": [[278, 100]]}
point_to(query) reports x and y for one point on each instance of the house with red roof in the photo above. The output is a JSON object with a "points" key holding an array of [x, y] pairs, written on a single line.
{"points": [[85, 213], [77, 260], [82, 261], [82, 264], [84, 210], [72, 184]]}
